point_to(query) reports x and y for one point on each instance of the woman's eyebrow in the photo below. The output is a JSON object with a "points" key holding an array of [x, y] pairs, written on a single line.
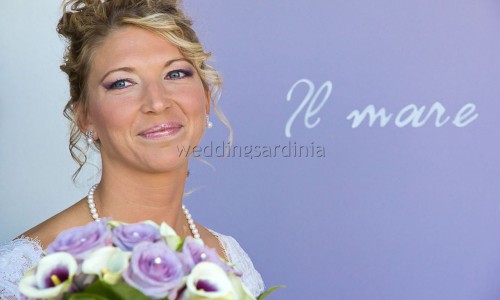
{"points": [[176, 60], [126, 69], [129, 69]]}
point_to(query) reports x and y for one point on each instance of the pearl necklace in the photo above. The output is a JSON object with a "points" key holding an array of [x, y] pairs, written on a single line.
{"points": [[95, 215]]}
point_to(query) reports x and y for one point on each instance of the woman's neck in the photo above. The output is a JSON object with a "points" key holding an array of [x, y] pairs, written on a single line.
{"points": [[133, 197]]}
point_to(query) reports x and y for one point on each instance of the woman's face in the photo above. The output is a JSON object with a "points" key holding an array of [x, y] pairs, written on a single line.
{"points": [[146, 102]]}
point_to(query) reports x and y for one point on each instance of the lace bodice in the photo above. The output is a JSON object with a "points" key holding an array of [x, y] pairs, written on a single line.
{"points": [[240, 258], [17, 256]]}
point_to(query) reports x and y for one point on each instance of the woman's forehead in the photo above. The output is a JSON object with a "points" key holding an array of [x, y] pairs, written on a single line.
{"points": [[131, 46]]}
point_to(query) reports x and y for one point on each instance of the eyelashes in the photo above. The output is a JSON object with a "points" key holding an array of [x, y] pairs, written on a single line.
{"points": [[179, 74], [126, 82], [119, 84]]}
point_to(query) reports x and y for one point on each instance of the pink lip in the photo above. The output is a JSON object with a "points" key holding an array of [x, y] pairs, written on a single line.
{"points": [[161, 130]]}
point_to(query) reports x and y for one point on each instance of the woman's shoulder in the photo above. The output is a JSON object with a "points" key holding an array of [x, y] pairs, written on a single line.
{"points": [[48, 230], [16, 257], [236, 255]]}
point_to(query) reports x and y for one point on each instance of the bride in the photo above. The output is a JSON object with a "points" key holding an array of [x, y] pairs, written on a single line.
{"points": [[140, 89]]}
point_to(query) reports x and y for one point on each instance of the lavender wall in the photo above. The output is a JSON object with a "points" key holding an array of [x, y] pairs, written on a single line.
{"points": [[407, 208], [392, 212]]}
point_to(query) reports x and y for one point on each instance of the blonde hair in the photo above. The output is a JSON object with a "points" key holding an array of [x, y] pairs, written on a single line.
{"points": [[85, 24]]}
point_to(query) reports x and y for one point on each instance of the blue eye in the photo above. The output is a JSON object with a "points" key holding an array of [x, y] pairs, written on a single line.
{"points": [[179, 74], [119, 84]]}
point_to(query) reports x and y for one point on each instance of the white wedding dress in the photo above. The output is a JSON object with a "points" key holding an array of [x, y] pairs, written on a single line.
{"points": [[17, 256]]}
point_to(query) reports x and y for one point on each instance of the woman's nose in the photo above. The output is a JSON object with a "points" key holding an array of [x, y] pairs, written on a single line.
{"points": [[156, 98]]}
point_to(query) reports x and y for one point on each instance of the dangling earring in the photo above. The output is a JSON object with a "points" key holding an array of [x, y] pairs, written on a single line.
{"points": [[89, 134], [209, 124]]}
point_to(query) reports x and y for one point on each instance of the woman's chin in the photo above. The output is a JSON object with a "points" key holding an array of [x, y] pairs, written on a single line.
{"points": [[163, 165]]}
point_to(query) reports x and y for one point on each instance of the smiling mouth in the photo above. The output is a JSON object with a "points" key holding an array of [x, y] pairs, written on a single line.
{"points": [[161, 131]]}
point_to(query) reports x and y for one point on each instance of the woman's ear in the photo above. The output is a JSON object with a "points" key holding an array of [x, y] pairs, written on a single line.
{"points": [[207, 104], [84, 121]]}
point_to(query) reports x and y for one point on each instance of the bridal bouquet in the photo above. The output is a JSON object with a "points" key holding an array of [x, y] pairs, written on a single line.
{"points": [[113, 260]]}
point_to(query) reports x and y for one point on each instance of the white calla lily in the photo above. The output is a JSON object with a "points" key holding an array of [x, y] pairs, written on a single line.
{"points": [[172, 239], [51, 278], [209, 281], [113, 223], [108, 263], [149, 222], [239, 288]]}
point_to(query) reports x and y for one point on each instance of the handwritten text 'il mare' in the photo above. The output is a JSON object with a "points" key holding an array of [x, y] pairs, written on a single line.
{"points": [[411, 115]]}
